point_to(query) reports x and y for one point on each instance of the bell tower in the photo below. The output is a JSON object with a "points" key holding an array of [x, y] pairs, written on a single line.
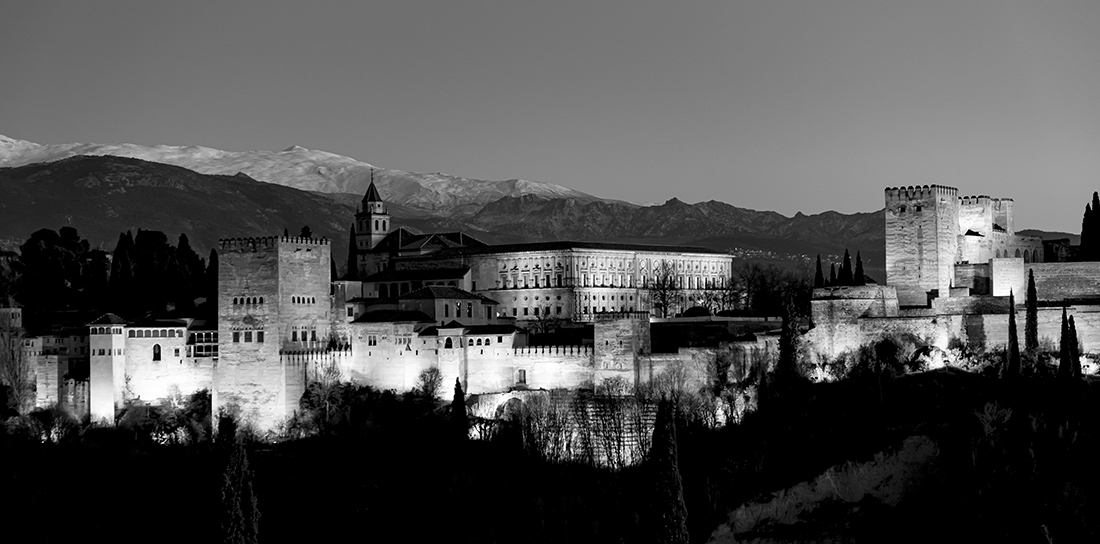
{"points": [[372, 221]]}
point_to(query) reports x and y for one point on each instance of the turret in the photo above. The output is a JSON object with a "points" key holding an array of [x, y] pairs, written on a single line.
{"points": [[372, 222]]}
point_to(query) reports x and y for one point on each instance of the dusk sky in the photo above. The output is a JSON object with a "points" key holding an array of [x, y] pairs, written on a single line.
{"points": [[771, 105]]}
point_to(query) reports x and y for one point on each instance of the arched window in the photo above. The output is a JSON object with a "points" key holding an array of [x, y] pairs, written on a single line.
{"points": [[375, 224], [234, 300], [383, 224], [156, 352], [171, 333], [1017, 254], [1035, 256], [447, 344], [261, 300], [478, 342], [1027, 256], [471, 342], [132, 335]]}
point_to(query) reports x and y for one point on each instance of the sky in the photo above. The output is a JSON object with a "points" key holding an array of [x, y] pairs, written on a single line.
{"points": [[772, 105]]}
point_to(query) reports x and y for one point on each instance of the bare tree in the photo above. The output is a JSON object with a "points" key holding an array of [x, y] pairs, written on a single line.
{"points": [[15, 369], [428, 383], [748, 278], [664, 292]]}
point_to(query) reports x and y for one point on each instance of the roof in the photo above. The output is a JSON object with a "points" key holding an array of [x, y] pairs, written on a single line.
{"points": [[372, 192], [492, 329], [418, 275], [394, 316], [433, 292], [109, 319], [403, 238], [453, 325], [567, 244], [160, 323]]}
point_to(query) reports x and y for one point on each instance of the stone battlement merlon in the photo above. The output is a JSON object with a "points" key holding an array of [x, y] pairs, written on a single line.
{"points": [[919, 192], [975, 199], [263, 243], [552, 350]]}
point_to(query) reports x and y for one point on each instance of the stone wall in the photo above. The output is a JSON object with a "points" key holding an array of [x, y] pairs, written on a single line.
{"points": [[976, 277], [921, 240], [1059, 281], [1009, 276]]}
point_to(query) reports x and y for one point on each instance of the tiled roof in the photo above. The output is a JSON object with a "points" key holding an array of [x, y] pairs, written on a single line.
{"points": [[418, 275], [432, 292], [109, 319], [394, 316]]}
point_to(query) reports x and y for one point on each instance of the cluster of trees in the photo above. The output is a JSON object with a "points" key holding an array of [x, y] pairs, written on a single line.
{"points": [[58, 270], [846, 277], [753, 288]]}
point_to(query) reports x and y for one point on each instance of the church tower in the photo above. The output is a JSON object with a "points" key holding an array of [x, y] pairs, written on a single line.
{"points": [[372, 222]]}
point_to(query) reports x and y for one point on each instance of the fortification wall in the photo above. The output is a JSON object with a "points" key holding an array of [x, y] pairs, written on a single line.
{"points": [[691, 368], [618, 338], [992, 329], [1060, 281], [970, 305], [489, 368], [976, 214], [978, 277], [1009, 276], [551, 367]]}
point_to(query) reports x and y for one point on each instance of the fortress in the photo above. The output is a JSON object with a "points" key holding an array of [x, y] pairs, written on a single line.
{"points": [[449, 301], [951, 263], [411, 302]]}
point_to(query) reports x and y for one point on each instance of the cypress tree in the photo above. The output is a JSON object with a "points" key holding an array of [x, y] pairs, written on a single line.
{"points": [[333, 275], [121, 282], [670, 511], [306, 232], [240, 515], [458, 413], [1065, 369], [1074, 351], [859, 278], [353, 255], [1012, 365], [845, 277], [819, 278], [832, 274], [211, 287], [1031, 319], [286, 232]]}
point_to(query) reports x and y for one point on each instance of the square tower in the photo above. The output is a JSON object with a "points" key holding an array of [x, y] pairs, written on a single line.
{"points": [[922, 228], [273, 298]]}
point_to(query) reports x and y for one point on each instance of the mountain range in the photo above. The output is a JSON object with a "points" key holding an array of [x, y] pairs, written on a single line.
{"points": [[209, 194]]}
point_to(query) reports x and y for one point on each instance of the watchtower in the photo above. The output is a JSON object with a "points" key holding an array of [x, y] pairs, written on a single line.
{"points": [[922, 224]]}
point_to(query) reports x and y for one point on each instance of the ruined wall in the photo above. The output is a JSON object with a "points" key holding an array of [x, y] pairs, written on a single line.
{"points": [[921, 240], [1059, 281]]}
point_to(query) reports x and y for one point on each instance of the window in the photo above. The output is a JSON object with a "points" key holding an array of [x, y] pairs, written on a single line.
{"points": [[350, 311], [293, 336], [446, 310], [521, 376], [558, 310], [469, 309], [447, 344], [247, 336], [372, 340], [514, 311], [478, 342], [500, 339], [471, 342], [236, 336], [177, 352], [156, 352], [260, 336], [313, 335]]}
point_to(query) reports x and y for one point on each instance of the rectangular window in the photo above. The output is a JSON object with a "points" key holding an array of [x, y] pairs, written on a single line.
{"points": [[177, 350], [372, 340], [548, 280], [247, 336], [500, 339], [236, 336], [260, 336], [514, 310], [446, 310], [536, 310], [558, 310], [521, 376], [293, 336], [350, 311], [313, 335], [525, 310], [469, 309]]}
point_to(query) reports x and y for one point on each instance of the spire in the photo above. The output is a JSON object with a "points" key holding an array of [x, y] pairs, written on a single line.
{"points": [[372, 191]]}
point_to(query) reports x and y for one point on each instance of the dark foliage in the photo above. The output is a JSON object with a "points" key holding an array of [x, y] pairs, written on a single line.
{"points": [[1031, 318], [819, 278], [845, 276], [858, 278]]}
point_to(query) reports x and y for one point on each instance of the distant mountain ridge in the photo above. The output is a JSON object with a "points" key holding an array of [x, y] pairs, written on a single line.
{"points": [[304, 169]]}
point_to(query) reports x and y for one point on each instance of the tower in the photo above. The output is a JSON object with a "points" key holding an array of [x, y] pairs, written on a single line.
{"points": [[107, 366], [372, 222], [922, 224]]}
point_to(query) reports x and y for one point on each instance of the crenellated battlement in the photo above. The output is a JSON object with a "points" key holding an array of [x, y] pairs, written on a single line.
{"points": [[999, 202], [975, 200], [266, 243], [530, 351], [919, 192]]}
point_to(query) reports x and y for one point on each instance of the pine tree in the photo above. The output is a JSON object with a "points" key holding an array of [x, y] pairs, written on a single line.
{"points": [[845, 277], [832, 275], [1012, 365], [458, 412], [241, 517], [1074, 351], [1031, 319], [859, 278], [819, 278], [1065, 368], [670, 512], [353, 256]]}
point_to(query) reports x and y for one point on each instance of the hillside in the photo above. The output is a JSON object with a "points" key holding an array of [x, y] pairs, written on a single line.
{"points": [[305, 169]]}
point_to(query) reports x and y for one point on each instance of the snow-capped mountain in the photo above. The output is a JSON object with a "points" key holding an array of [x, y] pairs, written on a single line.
{"points": [[304, 169]]}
